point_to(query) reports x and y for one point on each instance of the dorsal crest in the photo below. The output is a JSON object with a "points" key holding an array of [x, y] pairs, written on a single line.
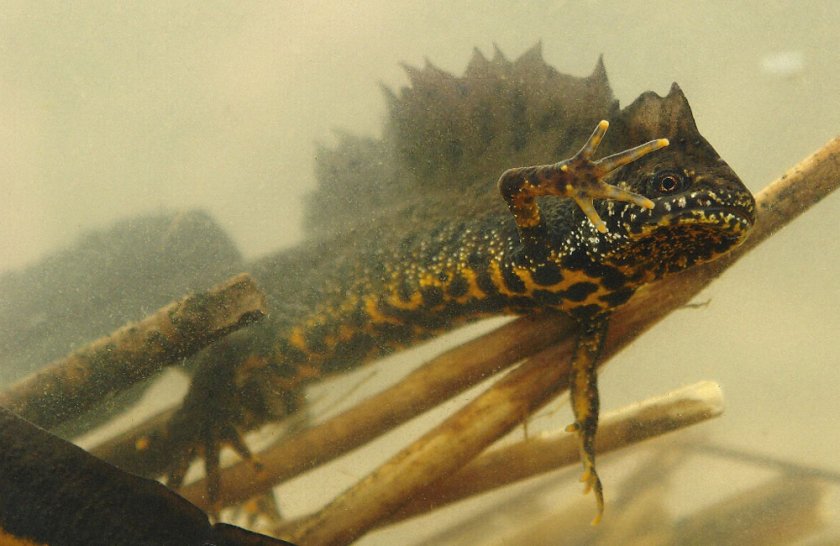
{"points": [[448, 136]]}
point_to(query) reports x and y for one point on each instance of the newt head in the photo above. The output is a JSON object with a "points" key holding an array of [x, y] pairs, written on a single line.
{"points": [[701, 208]]}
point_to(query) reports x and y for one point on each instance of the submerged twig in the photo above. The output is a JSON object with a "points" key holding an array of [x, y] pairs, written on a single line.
{"points": [[441, 451], [656, 416], [71, 385], [677, 409], [784, 509], [462, 436], [639, 513]]}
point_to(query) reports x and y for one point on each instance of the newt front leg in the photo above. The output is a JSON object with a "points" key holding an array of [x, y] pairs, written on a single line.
{"points": [[579, 179], [583, 388]]}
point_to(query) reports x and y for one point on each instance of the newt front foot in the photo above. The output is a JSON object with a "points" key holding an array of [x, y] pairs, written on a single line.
{"points": [[583, 387], [577, 178], [587, 184], [589, 478]]}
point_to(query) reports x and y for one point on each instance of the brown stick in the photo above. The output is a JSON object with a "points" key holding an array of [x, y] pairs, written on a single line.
{"points": [[69, 386], [677, 409], [495, 468], [443, 450], [462, 436]]}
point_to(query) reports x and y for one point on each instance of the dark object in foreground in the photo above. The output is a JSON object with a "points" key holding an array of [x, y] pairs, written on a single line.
{"points": [[56, 493]]}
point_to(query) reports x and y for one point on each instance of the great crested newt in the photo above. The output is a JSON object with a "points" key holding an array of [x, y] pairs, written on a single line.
{"points": [[53, 493], [409, 236]]}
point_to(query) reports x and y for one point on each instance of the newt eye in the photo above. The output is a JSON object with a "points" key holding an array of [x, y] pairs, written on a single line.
{"points": [[668, 182]]}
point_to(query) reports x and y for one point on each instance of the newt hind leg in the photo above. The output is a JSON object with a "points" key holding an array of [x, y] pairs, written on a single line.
{"points": [[583, 384], [235, 389]]}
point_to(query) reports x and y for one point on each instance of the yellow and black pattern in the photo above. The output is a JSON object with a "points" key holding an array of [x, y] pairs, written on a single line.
{"points": [[415, 233]]}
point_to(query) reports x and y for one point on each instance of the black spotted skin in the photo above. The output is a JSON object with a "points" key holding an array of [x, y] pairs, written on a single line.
{"points": [[416, 233]]}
